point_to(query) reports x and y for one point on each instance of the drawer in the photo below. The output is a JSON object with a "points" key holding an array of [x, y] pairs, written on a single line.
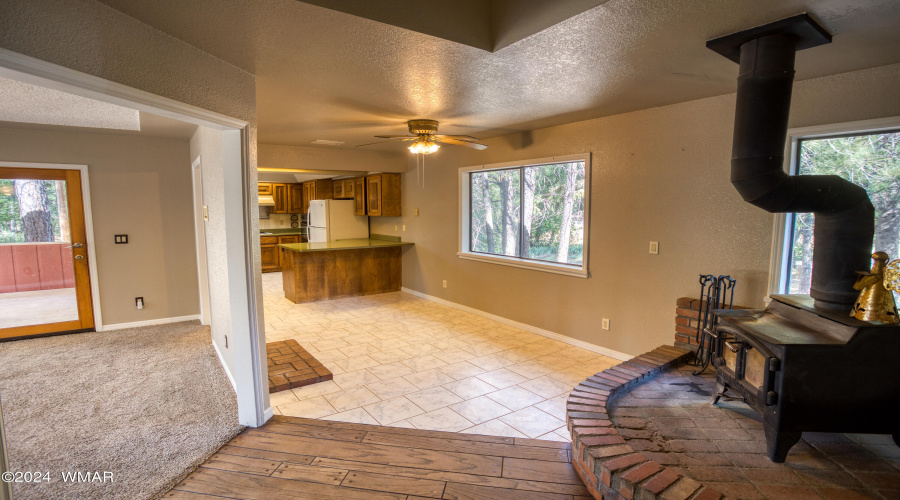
{"points": [[288, 239], [268, 240]]}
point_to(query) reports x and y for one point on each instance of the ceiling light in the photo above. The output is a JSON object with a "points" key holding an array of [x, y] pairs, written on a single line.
{"points": [[423, 147], [325, 142]]}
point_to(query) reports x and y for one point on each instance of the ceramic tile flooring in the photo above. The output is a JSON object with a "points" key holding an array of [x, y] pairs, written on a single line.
{"points": [[403, 361]]}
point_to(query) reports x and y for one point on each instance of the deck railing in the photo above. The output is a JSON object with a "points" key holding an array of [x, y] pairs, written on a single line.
{"points": [[26, 267]]}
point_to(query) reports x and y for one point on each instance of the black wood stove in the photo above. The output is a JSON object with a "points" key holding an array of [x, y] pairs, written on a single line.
{"points": [[807, 370]]}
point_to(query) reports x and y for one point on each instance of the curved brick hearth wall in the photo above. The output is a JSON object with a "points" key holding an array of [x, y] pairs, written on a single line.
{"points": [[608, 466]]}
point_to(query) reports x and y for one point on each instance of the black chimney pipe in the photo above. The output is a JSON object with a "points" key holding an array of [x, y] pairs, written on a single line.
{"points": [[844, 216]]}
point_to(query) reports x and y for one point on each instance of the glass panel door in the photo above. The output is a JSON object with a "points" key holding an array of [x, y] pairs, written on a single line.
{"points": [[44, 280]]}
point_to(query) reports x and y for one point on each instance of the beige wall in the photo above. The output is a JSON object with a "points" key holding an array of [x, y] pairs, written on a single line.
{"points": [[324, 158], [660, 174], [206, 144], [140, 187]]}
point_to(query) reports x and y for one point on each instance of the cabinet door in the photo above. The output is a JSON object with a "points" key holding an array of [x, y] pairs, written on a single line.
{"points": [[324, 189], [309, 192], [348, 188], [264, 188], [338, 190], [373, 195], [281, 198], [390, 195], [359, 195], [284, 240], [295, 198], [269, 256]]}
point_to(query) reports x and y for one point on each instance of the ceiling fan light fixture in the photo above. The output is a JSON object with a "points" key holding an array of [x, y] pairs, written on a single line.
{"points": [[423, 147]]}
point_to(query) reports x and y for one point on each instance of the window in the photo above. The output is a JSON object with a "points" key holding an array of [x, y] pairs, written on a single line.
{"points": [[870, 159], [531, 214]]}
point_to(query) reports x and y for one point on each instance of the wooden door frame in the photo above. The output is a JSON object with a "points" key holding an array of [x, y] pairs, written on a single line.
{"points": [[88, 226]]}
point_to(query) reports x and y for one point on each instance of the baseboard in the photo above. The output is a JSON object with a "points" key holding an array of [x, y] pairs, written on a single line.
{"points": [[268, 414], [225, 367], [522, 326], [150, 322]]}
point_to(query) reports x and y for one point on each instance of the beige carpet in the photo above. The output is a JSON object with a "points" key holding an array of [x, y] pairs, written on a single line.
{"points": [[147, 404]]}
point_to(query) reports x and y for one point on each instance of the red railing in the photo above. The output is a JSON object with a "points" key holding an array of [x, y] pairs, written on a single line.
{"points": [[35, 266]]}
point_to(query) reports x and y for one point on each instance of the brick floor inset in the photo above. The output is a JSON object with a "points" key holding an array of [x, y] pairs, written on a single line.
{"points": [[291, 366]]}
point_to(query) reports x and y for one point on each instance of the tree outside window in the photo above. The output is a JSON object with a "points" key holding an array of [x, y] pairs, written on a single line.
{"points": [[871, 161], [533, 212]]}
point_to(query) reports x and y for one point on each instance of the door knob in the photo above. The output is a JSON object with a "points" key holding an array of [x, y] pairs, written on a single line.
{"points": [[79, 257]]}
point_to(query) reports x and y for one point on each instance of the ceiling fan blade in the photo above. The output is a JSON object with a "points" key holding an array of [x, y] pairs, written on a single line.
{"points": [[393, 136], [459, 137], [448, 140], [389, 140]]}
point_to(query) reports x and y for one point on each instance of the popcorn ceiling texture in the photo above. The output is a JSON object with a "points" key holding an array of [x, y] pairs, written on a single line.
{"points": [[26, 103]]}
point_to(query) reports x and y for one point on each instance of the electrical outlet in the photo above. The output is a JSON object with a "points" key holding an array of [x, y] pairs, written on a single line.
{"points": [[605, 324], [445, 283], [396, 227], [139, 302], [416, 212], [404, 227], [654, 247]]}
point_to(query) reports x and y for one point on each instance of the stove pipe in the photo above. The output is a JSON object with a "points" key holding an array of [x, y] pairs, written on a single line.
{"points": [[844, 216]]}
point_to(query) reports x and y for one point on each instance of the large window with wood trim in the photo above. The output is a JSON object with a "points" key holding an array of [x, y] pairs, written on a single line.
{"points": [[531, 214]]}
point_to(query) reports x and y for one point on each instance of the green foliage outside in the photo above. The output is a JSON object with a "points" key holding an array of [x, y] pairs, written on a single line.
{"points": [[544, 197], [11, 230], [870, 161]]}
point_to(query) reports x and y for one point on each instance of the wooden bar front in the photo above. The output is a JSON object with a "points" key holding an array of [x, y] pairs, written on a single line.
{"points": [[333, 274]]}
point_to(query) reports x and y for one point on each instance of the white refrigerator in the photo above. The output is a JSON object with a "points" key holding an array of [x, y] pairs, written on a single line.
{"points": [[331, 220]]}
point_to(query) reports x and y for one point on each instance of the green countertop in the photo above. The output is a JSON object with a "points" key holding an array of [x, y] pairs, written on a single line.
{"points": [[344, 245], [281, 232]]}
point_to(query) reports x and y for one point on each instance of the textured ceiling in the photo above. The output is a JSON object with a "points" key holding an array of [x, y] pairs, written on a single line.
{"points": [[323, 74], [27, 103]]}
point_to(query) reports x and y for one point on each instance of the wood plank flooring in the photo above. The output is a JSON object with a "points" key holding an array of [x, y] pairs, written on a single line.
{"points": [[298, 458]]}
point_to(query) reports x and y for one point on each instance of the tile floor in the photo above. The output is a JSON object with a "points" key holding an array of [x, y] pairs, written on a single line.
{"points": [[403, 361]]}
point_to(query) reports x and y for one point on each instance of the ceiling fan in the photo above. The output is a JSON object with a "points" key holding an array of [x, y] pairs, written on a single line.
{"points": [[426, 138]]}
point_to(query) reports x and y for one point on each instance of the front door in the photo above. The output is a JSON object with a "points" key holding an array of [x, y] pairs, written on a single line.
{"points": [[45, 284]]}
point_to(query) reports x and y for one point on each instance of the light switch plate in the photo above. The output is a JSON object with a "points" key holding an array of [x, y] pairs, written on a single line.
{"points": [[654, 247]]}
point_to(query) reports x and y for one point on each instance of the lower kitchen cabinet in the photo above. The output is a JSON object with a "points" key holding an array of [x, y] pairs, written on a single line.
{"points": [[270, 254]]}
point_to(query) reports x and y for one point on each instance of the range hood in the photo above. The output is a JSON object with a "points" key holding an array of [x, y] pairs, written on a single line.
{"points": [[266, 201]]}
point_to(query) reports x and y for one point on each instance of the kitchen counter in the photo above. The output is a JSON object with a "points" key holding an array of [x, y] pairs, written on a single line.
{"points": [[354, 244], [343, 268], [282, 232]]}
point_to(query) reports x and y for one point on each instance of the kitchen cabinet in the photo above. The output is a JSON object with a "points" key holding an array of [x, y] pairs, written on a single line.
{"points": [[265, 188], [383, 195], [321, 189], [279, 191], [295, 198], [344, 189], [269, 254], [359, 195]]}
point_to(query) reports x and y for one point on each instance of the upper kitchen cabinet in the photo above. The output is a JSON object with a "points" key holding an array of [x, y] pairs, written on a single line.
{"points": [[321, 189], [383, 195], [359, 195], [295, 198], [265, 188], [280, 193], [344, 189]]}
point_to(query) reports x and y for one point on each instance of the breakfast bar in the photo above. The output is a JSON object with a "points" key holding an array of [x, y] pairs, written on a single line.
{"points": [[342, 268]]}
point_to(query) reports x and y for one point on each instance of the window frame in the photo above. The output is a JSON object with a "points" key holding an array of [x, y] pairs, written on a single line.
{"points": [[465, 211], [783, 225]]}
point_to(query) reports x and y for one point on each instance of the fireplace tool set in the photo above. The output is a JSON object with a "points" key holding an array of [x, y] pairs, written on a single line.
{"points": [[716, 292], [826, 361]]}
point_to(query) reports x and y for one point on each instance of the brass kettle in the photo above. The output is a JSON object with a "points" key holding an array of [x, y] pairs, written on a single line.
{"points": [[876, 300]]}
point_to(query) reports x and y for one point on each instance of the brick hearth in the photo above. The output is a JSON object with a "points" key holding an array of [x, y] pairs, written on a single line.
{"points": [[645, 429], [291, 366]]}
